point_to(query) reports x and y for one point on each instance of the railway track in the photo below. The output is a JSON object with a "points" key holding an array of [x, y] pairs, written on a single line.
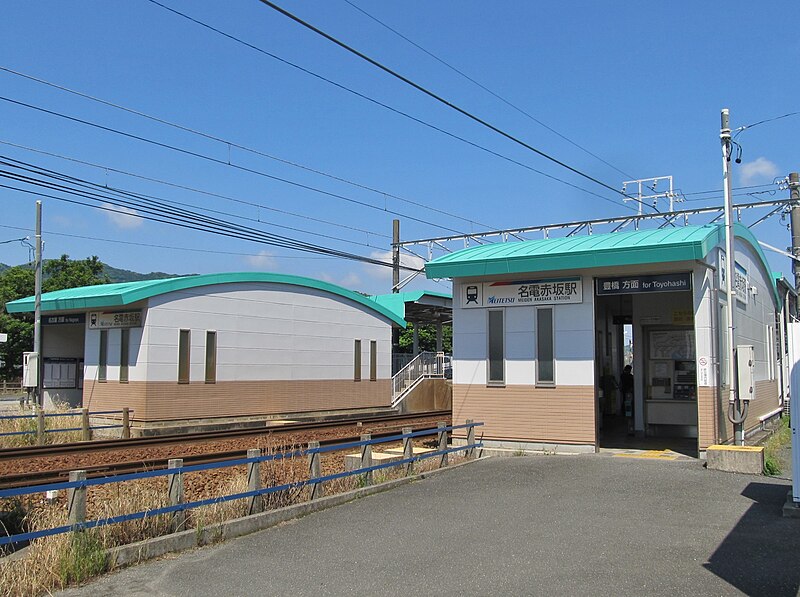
{"points": [[34, 478], [166, 440]]}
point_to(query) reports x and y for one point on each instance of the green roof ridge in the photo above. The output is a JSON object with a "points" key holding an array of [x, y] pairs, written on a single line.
{"points": [[613, 249], [126, 293]]}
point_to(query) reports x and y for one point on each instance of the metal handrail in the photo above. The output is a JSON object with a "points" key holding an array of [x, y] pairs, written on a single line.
{"points": [[425, 365]]}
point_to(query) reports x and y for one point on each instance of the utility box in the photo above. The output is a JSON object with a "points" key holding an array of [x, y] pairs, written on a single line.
{"points": [[30, 369], [745, 370]]}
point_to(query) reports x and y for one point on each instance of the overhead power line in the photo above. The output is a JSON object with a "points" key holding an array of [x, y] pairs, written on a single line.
{"points": [[195, 190], [391, 108], [155, 246], [233, 144], [437, 97], [741, 129], [209, 158], [487, 90], [155, 210]]}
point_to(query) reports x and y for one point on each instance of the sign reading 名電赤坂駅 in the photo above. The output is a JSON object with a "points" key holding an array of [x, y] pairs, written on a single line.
{"points": [[641, 284], [64, 319], [521, 293], [125, 319]]}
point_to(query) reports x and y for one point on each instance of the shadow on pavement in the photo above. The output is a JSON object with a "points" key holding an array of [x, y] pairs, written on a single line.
{"points": [[760, 556]]}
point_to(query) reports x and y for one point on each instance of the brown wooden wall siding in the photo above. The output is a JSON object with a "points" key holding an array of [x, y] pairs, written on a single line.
{"points": [[163, 401], [564, 414], [707, 416]]}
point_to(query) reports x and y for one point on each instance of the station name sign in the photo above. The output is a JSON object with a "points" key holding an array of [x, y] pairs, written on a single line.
{"points": [[521, 293], [643, 284], [125, 319]]}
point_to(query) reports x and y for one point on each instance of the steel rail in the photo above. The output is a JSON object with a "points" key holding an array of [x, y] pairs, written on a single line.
{"points": [[151, 441], [32, 479]]}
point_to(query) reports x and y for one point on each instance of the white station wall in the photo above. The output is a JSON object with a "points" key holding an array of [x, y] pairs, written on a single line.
{"points": [[265, 331], [755, 320], [573, 334]]}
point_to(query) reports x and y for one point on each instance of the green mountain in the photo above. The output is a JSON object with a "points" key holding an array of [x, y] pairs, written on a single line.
{"points": [[120, 275], [124, 275]]}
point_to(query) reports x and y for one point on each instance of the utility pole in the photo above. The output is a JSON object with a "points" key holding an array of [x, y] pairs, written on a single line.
{"points": [[395, 255], [37, 313], [735, 413], [794, 190]]}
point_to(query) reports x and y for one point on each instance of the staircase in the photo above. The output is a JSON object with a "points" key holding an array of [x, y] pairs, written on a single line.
{"points": [[426, 365]]}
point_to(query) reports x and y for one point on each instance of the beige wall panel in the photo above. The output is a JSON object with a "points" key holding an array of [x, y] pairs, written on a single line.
{"points": [[564, 414], [162, 401], [116, 396]]}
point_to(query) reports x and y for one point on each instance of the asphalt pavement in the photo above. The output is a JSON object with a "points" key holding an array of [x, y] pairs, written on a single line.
{"points": [[535, 525]]}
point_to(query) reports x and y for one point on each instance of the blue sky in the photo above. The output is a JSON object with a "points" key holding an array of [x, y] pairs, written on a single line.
{"points": [[639, 84]]}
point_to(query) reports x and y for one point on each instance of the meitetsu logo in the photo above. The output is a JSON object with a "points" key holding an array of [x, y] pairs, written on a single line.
{"points": [[493, 300]]}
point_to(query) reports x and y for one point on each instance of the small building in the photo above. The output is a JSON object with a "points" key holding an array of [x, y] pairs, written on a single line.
{"points": [[541, 330], [215, 345]]}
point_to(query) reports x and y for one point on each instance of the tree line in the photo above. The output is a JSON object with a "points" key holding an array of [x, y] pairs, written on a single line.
{"points": [[19, 282]]}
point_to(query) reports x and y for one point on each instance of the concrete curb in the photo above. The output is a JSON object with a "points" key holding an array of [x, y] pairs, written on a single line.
{"points": [[126, 555]]}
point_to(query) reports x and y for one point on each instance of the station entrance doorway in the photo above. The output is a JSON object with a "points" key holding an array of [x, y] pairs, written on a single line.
{"points": [[645, 364]]}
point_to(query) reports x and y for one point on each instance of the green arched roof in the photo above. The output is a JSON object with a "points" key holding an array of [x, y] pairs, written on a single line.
{"points": [[104, 296], [683, 243]]}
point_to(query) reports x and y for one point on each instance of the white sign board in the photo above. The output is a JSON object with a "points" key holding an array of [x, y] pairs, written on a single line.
{"points": [[741, 283], [3, 337], [102, 321], [521, 293]]}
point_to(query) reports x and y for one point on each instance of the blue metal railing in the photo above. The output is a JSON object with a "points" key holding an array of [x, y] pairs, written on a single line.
{"points": [[21, 491]]}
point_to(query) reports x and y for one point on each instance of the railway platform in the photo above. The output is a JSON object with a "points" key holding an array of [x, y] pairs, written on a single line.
{"points": [[539, 525]]}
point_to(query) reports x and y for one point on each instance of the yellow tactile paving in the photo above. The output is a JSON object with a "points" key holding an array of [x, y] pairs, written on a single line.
{"points": [[652, 454]]}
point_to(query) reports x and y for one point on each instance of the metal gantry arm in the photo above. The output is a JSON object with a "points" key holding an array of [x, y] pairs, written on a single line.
{"points": [[617, 223]]}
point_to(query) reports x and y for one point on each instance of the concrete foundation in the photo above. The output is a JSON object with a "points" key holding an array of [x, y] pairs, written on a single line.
{"points": [[501, 448], [736, 459], [791, 509]]}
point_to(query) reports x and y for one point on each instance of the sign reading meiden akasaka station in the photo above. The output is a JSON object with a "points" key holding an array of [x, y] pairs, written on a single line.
{"points": [[523, 292]]}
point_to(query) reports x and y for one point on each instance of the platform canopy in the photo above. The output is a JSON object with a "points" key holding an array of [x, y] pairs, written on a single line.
{"points": [[613, 249], [421, 307]]}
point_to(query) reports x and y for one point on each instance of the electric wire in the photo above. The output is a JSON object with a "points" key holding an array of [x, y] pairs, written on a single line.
{"points": [[192, 189], [209, 158], [201, 208], [170, 247], [396, 110], [487, 90], [741, 129], [236, 145], [176, 248], [435, 96], [321, 250], [154, 211]]}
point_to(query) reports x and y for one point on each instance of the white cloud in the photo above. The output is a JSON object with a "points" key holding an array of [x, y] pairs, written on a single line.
{"points": [[385, 273], [123, 217], [760, 169], [263, 261], [351, 281]]}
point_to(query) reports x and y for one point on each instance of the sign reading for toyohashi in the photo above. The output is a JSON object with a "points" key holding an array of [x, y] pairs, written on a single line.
{"points": [[522, 292]]}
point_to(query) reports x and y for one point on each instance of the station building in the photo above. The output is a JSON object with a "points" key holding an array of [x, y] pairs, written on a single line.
{"points": [[542, 330], [218, 345]]}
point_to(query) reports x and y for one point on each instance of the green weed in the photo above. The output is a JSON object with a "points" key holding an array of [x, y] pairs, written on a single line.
{"points": [[85, 558]]}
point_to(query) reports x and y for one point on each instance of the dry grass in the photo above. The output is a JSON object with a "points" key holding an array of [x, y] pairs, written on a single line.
{"points": [[52, 563], [29, 425]]}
